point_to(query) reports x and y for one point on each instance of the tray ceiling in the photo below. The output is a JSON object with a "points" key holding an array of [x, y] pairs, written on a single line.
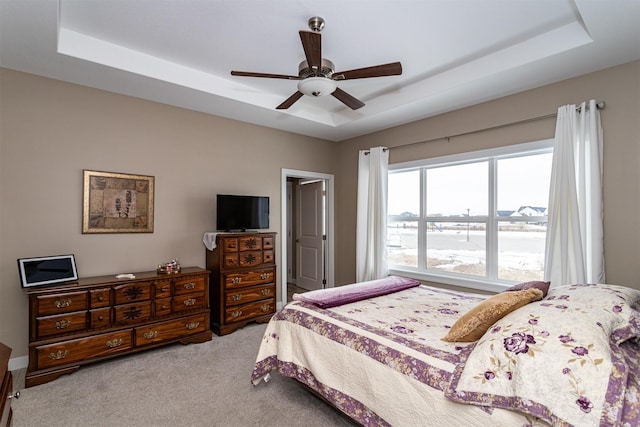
{"points": [[454, 53]]}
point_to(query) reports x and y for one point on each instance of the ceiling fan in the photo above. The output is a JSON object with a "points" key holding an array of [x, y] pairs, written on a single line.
{"points": [[316, 74]]}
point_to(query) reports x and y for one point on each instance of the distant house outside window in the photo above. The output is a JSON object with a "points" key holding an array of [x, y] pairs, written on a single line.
{"points": [[476, 219]]}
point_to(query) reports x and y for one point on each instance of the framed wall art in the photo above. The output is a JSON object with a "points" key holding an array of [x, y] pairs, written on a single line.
{"points": [[117, 203]]}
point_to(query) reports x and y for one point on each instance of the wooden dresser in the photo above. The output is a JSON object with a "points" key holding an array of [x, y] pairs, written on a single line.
{"points": [[6, 387], [101, 317], [243, 280]]}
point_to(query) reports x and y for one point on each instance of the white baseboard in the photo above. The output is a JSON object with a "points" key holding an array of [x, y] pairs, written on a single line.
{"points": [[18, 363]]}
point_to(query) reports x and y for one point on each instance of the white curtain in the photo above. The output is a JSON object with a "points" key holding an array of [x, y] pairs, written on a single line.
{"points": [[575, 246], [371, 227]]}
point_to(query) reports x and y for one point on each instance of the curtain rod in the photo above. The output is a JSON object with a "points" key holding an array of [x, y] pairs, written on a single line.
{"points": [[599, 105]]}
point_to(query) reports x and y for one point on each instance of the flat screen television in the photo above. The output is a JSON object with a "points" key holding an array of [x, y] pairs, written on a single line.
{"points": [[241, 213]]}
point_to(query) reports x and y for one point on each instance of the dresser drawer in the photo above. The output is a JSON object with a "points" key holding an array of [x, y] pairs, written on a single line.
{"points": [[230, 260], [61, 303], [132, 292], [163, 307], [132, 313], [248, 311], [99, 297], [188, 286], [100, 318], [83, 348], [242, 296], [163, 289], [250, 243], [61, 324], [268, 243], [170, 329], [189, 302], [229, 244], [248, 278], [268, 257], [250, 258]]}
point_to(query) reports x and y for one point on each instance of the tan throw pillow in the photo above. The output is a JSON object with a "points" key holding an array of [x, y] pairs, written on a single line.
{"points": [[473, 324]]}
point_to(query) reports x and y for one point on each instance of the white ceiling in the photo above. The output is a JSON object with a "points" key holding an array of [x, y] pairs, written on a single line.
{"points": [[454, 53]]}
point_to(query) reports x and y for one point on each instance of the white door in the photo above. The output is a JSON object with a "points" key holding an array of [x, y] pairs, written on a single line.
{"points": [[310, 236]]}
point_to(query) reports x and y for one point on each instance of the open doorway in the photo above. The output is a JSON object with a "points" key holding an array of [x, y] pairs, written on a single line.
{"points": [[316, 192]]}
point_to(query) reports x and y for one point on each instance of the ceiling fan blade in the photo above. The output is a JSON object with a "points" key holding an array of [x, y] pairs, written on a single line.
{"points": [[290, 101], [391, 69], [348, 100], [270, 76], [312, 45]]}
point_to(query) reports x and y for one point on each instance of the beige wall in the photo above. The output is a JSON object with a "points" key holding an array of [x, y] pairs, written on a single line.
{"points": [[619, 87], [51, 131]]}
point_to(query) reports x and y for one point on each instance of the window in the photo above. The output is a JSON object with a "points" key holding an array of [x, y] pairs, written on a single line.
{"points": [[476, 219]]}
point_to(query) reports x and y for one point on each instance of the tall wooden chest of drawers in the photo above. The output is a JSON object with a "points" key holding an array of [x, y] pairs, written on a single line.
{"points": [[243, 280], [97, 318]]}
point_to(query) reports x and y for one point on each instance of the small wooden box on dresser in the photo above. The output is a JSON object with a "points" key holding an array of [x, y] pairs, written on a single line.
{"points": [[101, 317], [243, 280]]}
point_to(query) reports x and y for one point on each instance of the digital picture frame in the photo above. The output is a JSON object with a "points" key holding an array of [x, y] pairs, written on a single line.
{"points": [[47, 270]]}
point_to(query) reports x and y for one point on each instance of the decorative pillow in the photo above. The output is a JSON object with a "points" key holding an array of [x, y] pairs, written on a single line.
{"points": [[616, 308], [543, 286], [473, 324]]}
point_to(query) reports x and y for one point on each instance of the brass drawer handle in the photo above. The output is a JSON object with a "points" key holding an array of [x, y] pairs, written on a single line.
{"points": [[265, 276], [60, 354], [265, 307], [190, 301], [192, 325], [150, 335], [62, 303], [163, 289], [265, 291], [115, 343], [236, 280], [236, 313], [100, 297], [190, 285], [236, 297], [61, 324]]}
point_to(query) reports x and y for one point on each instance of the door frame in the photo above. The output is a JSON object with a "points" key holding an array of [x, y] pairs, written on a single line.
{"points": [[330, 243]]}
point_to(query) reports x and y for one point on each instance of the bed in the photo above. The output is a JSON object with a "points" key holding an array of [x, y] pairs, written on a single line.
{"points": [[569, 355]]}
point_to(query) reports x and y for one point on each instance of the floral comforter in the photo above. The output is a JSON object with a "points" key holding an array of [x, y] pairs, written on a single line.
{"points": [[381, 360], [572, 358]]}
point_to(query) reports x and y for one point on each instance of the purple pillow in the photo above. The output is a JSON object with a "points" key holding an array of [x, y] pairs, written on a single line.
{"points": [[543, 286], [332, 297]]}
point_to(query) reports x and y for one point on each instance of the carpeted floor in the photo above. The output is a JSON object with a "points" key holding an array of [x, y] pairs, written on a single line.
{"points": [[194, 385]]}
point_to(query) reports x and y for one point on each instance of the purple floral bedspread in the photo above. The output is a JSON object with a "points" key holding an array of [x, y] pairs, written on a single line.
{"points": [[572, 358], [381, 360]]}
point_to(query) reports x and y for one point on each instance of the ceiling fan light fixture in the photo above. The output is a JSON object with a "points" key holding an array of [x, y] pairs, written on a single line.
{"points": [[317, 86]]}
